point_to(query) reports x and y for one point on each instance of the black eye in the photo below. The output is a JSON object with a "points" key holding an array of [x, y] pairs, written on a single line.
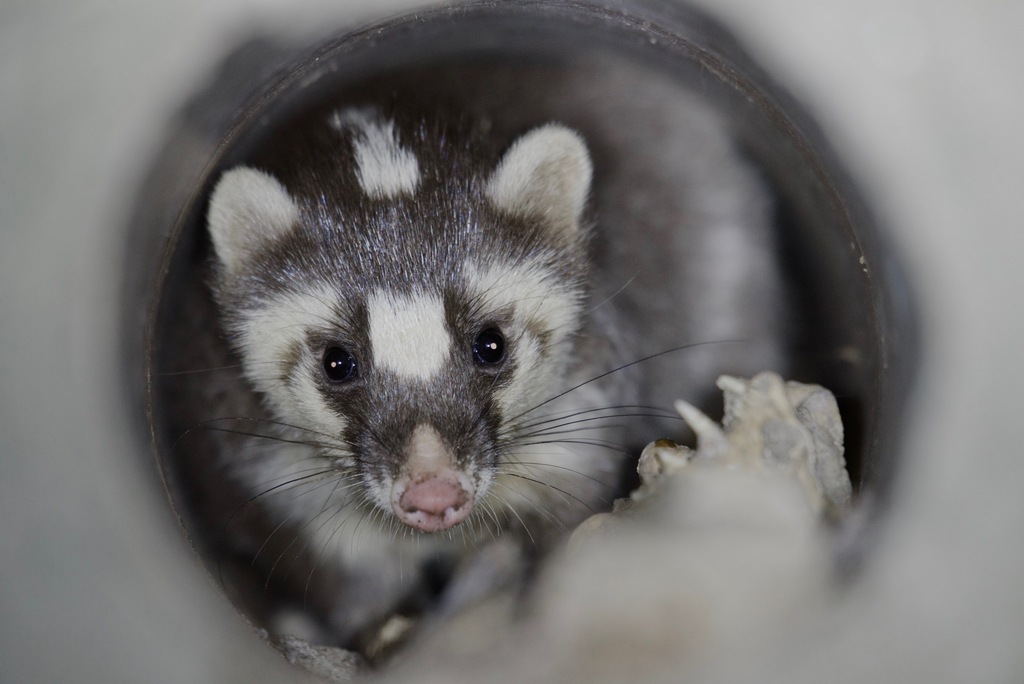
{"points": [[339, 365], [489, 347]]}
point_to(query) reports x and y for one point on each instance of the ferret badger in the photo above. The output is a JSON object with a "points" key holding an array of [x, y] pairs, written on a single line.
{"points": [[426, 310], [407, 305], [407, 311]]}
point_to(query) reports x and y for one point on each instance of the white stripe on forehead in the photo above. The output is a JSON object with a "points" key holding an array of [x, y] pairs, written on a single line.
{"points": [[408, 333], [384, 168]]}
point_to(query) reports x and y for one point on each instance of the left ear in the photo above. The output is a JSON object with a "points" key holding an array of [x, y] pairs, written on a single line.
{"points": [[248, 208], [545, 174]]}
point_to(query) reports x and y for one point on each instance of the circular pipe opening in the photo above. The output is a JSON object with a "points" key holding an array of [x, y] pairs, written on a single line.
{"points": [[839, 311]]}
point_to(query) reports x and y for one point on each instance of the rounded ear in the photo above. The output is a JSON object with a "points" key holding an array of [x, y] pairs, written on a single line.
{"points": [[247, 209], [546, 173]]}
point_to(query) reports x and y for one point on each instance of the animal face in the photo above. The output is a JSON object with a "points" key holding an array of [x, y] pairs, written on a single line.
{"points": [[404, 312]]}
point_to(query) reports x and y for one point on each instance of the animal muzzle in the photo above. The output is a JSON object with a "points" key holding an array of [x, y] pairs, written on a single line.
{"points": [[433, 501], [431, 494]]}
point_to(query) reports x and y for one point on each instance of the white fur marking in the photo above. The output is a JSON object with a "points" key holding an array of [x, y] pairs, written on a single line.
{"points": [[538, 301], [408, 333], [427, 452], [384, 168], [268, 334], [533, 292]]}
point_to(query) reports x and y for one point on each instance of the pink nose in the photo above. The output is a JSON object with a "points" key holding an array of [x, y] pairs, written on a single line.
{"points": [[432, 502]]}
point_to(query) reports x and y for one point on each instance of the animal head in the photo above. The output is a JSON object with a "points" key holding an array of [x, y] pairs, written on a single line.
{"points": [[405, 299]]}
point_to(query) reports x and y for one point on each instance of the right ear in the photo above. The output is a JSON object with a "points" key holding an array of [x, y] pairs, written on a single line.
{"points": [[546, 173], [248, 208]]}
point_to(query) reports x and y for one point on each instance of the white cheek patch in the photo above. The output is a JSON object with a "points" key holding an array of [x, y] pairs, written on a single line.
{"points": [[384, 168], [269, 335], [309, 404], [535, 377], [408, 333], [539, 304]]}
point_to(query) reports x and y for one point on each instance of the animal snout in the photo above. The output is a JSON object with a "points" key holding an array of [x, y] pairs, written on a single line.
{"points": [[434, 501]]}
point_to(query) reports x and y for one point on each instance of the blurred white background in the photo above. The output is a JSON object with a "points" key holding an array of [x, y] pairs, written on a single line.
{"points": [[923, 99]]}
